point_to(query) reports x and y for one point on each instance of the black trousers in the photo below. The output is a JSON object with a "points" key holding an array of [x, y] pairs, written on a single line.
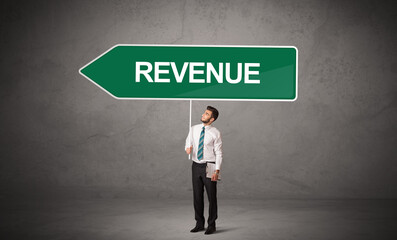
{"points": [[200, 181]]}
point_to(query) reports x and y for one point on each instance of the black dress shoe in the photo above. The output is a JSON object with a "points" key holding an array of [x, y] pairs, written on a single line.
{"points": [[196, 229], [210, 230]]}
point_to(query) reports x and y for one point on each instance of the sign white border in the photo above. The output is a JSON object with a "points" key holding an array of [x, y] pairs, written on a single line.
{"points": [[199, 99]]}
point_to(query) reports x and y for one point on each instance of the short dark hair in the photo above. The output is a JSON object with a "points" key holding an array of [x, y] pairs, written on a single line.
{"points": [[214, 112]]}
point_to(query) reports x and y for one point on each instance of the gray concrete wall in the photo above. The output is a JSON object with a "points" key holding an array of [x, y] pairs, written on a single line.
{"points": [[60, 133]]}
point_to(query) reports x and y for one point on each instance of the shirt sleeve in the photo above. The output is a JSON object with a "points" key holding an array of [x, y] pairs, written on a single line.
{"points": [[218, 151], [189, 139]]}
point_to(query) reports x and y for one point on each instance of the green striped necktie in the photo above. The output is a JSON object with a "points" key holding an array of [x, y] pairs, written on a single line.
{"points": [[200, 152]]}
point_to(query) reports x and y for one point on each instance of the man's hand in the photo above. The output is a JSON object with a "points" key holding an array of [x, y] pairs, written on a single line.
{"points": [[214, 176], [189, 150]]}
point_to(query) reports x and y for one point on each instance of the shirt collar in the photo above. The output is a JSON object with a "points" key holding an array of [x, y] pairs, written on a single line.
{"points": [[206, 127]]}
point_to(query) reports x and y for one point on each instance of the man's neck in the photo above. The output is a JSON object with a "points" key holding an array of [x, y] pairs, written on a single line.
{"points": [[207, 124]]}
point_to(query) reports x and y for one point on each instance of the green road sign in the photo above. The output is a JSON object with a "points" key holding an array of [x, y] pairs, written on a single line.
{"points": [[239, 73]]}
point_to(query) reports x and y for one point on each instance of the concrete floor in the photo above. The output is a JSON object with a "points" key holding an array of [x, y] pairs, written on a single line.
{"points": [[95, 219]]}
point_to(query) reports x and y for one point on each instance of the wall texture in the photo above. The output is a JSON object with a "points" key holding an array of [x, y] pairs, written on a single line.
{"points": [[60, 133]]}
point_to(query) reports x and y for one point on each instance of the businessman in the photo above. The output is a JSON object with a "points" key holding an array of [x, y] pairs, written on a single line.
{"points": [[204, 142]]}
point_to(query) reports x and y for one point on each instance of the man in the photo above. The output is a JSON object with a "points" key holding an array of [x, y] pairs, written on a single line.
{"points": [[205, 144]]}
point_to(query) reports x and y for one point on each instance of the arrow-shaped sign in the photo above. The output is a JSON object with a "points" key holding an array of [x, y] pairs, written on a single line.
{"points": [[253, 73]]}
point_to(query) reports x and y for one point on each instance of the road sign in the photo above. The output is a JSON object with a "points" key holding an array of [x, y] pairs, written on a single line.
{"points": [[197, 72]]}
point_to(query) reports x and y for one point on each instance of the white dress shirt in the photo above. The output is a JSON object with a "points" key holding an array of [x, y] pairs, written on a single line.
{"points": [[212, 144]]}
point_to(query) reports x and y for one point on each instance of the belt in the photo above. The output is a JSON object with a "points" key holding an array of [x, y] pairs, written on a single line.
{"points": [[201, 164]]}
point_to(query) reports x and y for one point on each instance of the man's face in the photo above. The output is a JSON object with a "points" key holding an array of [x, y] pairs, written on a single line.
{"points": [[206, 117]]}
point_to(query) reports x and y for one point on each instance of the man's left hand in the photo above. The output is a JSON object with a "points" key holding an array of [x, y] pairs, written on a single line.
{"points": [[214, 177]]}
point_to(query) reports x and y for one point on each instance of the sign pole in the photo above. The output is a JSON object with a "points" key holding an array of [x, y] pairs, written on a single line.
{"points": [[190, 118]]}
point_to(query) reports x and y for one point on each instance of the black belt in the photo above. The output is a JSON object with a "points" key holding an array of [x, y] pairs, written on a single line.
{"points": [[201, 164]]}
